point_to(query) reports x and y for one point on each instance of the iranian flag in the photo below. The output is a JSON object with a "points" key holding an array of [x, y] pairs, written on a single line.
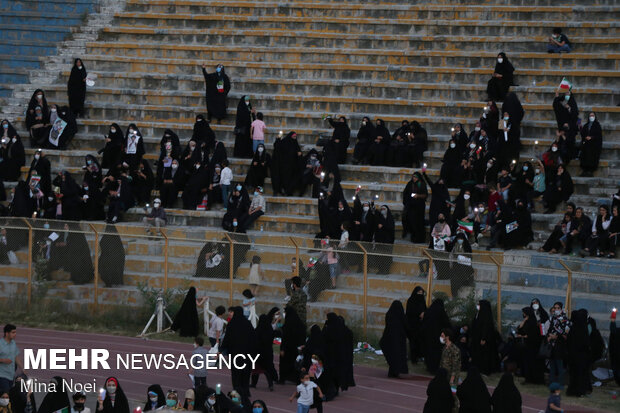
{"points": [[63, 410], [565, 85], [466, 226]]}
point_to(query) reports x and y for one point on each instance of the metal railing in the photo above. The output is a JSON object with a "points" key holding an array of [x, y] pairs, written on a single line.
{"points": [[79, 257]]}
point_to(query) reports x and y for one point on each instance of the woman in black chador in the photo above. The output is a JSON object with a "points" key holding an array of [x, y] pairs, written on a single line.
{"points": [[502, 78], [245, 116], [293, 336], [506, 397], [186, 319], [435, 320], [76, 88], [217, 88], [416, 306], [112, 257], [393, 342], [114, 141], [259, 167], [473, 394], [79, 262], [264, 346], [484, 339], [439, 394], [286, 165], [115, 400], [55, 400]]}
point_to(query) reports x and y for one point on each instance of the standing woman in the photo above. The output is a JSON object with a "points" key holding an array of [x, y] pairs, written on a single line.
{"points": [[259, 168], [435, 320], [578, 346], [13, 153], [293, 336], [506, 397], [416, 306], [484, 339], [113, 146], [217, 88], [414, 201], [393, 342], [112, 257], [533, 367], [76, 88], [245, 116], [115, 400], [591, 145], [501, 80]]}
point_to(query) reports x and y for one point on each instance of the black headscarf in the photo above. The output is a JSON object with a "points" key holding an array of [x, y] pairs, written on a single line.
{"points": [[473, 393], [30, 112], [264, 342], [161, 397], [314, 345], [240, 337], [506, 397], [57, 400], [416, 305], [186, 319], [439, 394], [393, 342], [262, 403], [483, 329]]}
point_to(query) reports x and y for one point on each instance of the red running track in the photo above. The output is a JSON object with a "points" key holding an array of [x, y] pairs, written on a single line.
{"points": [[374, 390]]}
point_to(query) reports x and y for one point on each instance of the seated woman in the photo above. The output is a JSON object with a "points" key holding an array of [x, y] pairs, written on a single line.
{"points": [[500, 82], [553, 244], [598, 243], [238, 205], [113, 146], [560, 189], [63, 128], [37, 118], [614, 232]]}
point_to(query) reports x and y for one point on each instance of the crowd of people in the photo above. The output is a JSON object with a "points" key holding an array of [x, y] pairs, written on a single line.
{"points": [[544, 342], [497, 191]]}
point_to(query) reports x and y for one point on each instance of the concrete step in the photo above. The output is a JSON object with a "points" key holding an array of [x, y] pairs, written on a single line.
{"points": [[537, 110], [49, 6], [430, 11], [546, 75], [153, 84], [136, 28]]}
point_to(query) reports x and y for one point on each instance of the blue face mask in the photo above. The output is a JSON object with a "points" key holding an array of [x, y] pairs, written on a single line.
{"points": [[171, 403], [235, 223], [525, 168], [5, 126], [255, 193], [89, 162], [460, 241], [218, 70], [257, 410], [46, 226], [567, 98], [235, 399], [238, 187]]}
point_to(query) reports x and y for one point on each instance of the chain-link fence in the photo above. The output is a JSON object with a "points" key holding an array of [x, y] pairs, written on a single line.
{"points": [[89, 266]]}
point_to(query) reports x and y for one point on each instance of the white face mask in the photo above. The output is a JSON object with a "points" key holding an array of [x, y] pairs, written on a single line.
{"points": [[153, 399], [489, 164], [472, 145], [506, 118], [4, 402], [37, 156], [466, 196], [558, 312], [39, 97], [592, 118], [366, 209], [14, 140], [211, 402], [500, 60], [477, 129], [315, 361], [175, 166], [535, 307], [442, 340], [453, 145], [111, 389], [247, 102], [260, 150], [525, 167], [477, 307], [112, 130], [554, 149], [156, 204]]}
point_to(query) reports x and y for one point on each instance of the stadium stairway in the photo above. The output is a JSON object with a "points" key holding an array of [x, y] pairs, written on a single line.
{"points": [[32, 31], [301, 59]]}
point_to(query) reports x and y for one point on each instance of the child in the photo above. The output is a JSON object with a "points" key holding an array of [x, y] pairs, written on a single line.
{"points": [[216, 329], [332, 262], [553, 403], [255, 275], [305, 394], [257, 130], [248, 301], [226, 177]]}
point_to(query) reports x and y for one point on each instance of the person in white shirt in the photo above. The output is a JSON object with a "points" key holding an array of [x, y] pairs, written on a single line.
{"points": [[305, 393], [216, 326], [226, 177]]}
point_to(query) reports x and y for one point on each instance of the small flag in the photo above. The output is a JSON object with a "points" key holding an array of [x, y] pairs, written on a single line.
{"points": [[565, 85], [63, 410], [466, 226]]}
